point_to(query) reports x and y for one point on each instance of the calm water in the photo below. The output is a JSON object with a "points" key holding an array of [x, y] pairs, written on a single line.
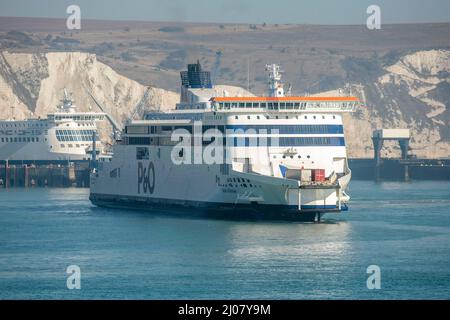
{"points": [[402, 228]]}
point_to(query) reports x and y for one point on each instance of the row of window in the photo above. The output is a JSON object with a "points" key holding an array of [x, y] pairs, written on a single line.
{"points": [[274, 129], [138, 140], [292, 141], [77, 117], [287, 105], [168, 116], [23, 125], [245, 141], [292, 129], [21, 139], [76, 145], [197, 117], [249, 117], [74, 135]]}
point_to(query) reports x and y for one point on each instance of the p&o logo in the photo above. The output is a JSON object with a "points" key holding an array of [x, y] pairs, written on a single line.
{"points": [[146, 178]]}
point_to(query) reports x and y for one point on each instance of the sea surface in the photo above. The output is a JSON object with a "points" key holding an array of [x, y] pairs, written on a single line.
{"points": [[403, 228]]}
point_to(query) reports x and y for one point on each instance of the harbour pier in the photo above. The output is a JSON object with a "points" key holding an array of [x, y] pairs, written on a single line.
{"points": [[61, 174]]}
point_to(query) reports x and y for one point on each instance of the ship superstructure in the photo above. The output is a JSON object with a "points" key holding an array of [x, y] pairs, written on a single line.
{"points": [[64, 135], [283, 157]]}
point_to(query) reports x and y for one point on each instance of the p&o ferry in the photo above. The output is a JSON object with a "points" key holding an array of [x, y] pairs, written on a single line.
{"points": [[284, 157]]}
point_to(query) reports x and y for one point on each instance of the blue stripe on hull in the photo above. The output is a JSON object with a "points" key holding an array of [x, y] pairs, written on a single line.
{"points": [[209, 209], [292, 129], [325, 207]]}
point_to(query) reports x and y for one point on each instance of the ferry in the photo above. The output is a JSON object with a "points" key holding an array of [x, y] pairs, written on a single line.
{"points": [[284, 157], [65, 135]]}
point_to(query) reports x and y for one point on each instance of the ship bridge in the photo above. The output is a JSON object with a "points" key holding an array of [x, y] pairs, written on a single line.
{"points": [[285, 104]]}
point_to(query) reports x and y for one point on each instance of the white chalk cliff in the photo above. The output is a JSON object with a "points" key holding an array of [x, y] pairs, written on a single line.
{"points": [[413, 92]]}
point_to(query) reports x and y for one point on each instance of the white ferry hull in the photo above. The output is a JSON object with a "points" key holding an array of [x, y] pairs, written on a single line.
{"points": [[159, 186]]}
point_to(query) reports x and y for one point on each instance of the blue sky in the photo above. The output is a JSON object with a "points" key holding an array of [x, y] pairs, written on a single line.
{"points": [[237, 11]]}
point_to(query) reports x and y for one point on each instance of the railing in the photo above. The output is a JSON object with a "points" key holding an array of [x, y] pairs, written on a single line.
{"points": [[286, 107]]}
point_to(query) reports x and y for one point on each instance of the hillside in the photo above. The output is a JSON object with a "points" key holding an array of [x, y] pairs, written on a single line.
{"points": [[401, 72]]}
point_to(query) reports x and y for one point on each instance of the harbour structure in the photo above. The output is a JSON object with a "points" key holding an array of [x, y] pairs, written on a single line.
{"points": [[404, 168]]}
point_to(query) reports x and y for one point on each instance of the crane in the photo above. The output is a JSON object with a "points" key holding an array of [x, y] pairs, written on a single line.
{"points": [[139, 108], [117, 128]]}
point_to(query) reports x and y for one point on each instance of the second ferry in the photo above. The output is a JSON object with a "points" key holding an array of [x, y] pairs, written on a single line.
{"points": [[65, 135], [271, 157]]}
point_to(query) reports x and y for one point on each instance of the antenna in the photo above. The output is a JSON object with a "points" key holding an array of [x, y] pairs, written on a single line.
{"points": [[215, 70], [275, 85], [248, 73]]}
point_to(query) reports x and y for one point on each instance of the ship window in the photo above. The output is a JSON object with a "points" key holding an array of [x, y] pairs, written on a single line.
{"points": [[282, 105], [248, 117], [275, 105], [3, 139], [32, 139], [248, 105], [37, 139], [289, 105], [255, 104], [63, 146], [138, 140], [236, 117], [241, 105], [263, 104], [306, 117], [270, 104]]}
